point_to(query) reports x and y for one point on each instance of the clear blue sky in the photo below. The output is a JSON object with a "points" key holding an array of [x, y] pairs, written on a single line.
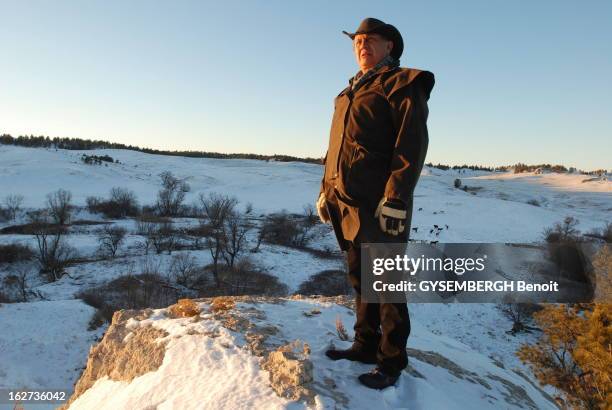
{"points": [[527, 81]]}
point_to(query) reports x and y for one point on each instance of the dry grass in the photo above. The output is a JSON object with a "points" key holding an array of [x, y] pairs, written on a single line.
{"points": [[222, 303], [341, 330], [184, 308]]}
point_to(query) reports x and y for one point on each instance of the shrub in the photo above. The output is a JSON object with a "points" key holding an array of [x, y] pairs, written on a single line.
{"points": [[18, 281], [198, 234], [183, 269], [59, 207], [565, 250], [341, 330], [12, 205], [159, 233], [110, 238], [52, 253], [29, 228], [520, 314], [146, 221], [4, 298], [244, 278], [122, 203], [4, 214], [287, 230], [96, 159], [533, 202], [457, 183], [170, 197], [130, 292], [563, 232], [15, 252], [93, 204], [327, 283], [573, 353], [520, 167]]}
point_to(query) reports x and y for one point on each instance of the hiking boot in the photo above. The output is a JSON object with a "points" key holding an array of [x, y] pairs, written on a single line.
{"points": [[352, 353], [377, 379]]}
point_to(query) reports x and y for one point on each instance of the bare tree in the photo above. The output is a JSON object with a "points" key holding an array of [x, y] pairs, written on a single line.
{"points": [[110, 238], [217, 209], [159, 233], [520, 314], [146, 227], [170, 198], [58, 204], [53, 254], [197, 234], [563, 232], [183, 269], [310, 216], [236, 229], [19, 280], [13, 205], [167, 238], [124, 202], [262, 234]]}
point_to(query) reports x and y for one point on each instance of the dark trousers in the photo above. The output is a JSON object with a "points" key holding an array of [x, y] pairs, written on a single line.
{"points": [[380, 327]]}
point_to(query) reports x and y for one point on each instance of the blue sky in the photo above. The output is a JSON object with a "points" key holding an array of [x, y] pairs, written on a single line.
{"points": [[515, 81]]}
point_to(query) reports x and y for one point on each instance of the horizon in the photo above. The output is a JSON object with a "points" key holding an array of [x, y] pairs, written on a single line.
{"points": [[157, 75], [297, 158]]}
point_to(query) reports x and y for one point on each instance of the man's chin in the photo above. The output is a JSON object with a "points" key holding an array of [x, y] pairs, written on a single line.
{"points": [[367, 63]]}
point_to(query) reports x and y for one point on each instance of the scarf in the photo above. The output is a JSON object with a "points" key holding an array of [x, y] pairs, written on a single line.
{"points": [[359, 79]]}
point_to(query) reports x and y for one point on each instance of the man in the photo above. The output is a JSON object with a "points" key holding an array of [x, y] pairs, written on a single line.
{"points": [[377, 147]]}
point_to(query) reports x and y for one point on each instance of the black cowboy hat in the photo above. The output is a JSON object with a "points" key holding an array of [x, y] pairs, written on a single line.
{"points": [[371, 25]]}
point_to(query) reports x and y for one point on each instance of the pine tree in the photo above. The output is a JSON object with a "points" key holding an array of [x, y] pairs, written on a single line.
{"points": [[574, 353]]}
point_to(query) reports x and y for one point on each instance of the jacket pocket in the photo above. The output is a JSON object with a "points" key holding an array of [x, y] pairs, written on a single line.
{"points": [[351, 162], [367, 175]]}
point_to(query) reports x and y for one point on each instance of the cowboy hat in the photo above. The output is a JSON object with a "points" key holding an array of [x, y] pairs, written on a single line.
{"points": [[371, 25]]}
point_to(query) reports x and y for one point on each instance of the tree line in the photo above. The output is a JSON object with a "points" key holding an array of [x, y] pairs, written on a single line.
{"points": [[86, 144]]}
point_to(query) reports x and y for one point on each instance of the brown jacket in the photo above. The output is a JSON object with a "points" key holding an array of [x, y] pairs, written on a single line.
{"points": [[377, 145]]}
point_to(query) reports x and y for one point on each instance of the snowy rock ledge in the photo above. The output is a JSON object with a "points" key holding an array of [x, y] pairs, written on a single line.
{"points": [[258, 352]]}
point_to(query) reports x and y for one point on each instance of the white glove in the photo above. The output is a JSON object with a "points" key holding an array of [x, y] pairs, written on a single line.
{"points": [[322, 209], [391, 214]]}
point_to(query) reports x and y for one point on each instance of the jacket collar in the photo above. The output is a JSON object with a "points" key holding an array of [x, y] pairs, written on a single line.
{"points": [[359, 79]]}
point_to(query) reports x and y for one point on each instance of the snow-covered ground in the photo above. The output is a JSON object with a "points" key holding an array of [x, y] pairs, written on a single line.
{"points": [[43, 345], [220, 372], [497, 212]]}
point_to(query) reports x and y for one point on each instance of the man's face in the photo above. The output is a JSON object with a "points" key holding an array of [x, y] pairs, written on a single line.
{"points": [[370, 49]]}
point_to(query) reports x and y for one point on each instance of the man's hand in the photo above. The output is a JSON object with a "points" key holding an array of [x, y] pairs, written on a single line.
{"points": [[322, 209], [391, 214]]}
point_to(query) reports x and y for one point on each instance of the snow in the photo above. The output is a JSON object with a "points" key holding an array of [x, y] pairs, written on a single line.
{"points": [[473, 335], [200, 371], [270, 186], [292, 266], [44, 345]]}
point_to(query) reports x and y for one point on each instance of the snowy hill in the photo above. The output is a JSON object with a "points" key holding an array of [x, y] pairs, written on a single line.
{"points": [[462, 351], [216, 358], [272, 186]]}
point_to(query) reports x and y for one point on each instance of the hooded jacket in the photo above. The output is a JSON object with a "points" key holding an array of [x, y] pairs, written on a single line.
{"points": [[377, 145]]}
